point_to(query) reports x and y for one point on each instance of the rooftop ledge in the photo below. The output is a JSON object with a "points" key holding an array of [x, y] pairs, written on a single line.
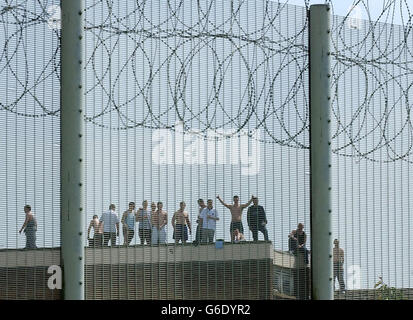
{"points": [[164, 253]]}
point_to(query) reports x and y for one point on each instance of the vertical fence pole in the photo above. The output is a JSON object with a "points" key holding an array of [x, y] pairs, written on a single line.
{"points": [[320, 150], [72, 111]]}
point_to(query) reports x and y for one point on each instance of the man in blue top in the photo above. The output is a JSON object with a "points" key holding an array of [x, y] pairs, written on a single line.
{"points": [[128, 224], [110, 222]]}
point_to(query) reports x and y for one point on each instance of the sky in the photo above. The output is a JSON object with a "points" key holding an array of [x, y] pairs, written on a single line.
{"points": [[156, 86], [369, 9]]}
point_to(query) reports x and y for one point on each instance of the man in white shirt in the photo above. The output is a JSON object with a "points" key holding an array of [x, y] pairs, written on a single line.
{"points": [[209, 217], [110, 222]]}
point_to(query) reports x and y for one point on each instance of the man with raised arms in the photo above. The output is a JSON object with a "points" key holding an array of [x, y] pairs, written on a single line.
{"points": [[236, 214]]}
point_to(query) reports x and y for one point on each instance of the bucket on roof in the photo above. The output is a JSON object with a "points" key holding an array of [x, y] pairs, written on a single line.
{"points": [[219, 244]]}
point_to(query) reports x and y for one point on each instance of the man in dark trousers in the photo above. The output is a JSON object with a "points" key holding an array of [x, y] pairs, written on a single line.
{"points": [[198, 236], [257, 220]]}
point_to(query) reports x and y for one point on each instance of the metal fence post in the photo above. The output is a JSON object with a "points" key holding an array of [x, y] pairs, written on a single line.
{"points": [[72, 111], [320, 150]]}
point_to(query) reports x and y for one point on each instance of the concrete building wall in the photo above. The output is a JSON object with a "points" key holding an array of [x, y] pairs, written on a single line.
{"points": [[236, 271], [197, 280]]}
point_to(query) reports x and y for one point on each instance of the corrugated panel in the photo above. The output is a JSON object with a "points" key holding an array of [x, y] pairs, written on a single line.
{"points": [[186, 279], [177, 285]]}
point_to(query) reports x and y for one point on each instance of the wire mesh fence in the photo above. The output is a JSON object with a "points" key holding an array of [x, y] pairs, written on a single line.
{"points": [[189, 100]]}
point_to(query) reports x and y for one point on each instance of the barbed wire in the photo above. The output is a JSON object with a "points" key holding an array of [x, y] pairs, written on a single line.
{"points": [[141, 62]]}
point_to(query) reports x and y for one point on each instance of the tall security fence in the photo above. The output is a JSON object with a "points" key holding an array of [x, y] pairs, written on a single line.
{"points": [[188, 100]]}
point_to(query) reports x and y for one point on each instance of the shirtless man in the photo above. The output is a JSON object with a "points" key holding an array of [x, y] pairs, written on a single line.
{"points": [[159, 219], [338, 261], [236, 214], [97, 232], [238, 236], [180, 221]]}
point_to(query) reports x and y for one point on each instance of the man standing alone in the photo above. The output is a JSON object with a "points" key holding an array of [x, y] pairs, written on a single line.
{"points": [[29, 227], [338, 261], [257, 220]]}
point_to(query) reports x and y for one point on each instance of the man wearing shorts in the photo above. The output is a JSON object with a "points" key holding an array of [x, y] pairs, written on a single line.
{"points": [[180, 224], [159, 219], [236, 214]]}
